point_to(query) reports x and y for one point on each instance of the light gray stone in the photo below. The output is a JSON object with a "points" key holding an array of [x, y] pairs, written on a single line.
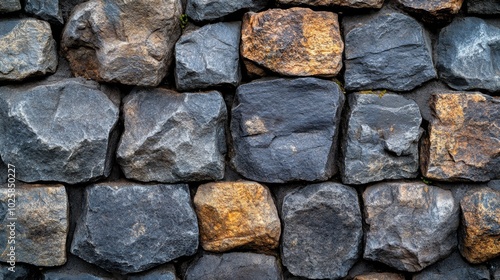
{"points": [[200, 10], [7, 6]]}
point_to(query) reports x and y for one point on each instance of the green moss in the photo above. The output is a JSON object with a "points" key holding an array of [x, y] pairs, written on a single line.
{"points": [[184, 20]]}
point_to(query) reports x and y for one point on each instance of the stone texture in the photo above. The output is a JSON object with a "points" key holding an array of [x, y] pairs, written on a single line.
{"points": [[57, 131], [376, 4], [486, 7], [410, 225], [480, 228], [48, 10], [380, 139], [173, 137], [241, 266], [380, 276], [432, 11], [286, 129], [293, 42], [322, 231], [398, 61], [164, 272], [7, 6], [129, 42], [200, 10], [453, 267], [76, 269], [41, 225], [208, 57], [26, 49], [237, 215], [127, 227], [21, 272], [468, 56], [462, 142]]}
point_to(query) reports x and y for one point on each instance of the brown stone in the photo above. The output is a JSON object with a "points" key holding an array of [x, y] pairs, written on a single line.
{"points": [[293, 42], [480, 230], [376, 4], [236, 215], [432, 10], [380, 276], [463, 138]]}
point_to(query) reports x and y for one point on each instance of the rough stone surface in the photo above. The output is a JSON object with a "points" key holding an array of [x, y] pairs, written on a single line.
{"points": [[432, 11], [208, 57], [41, 226], [410, 225], [200, 10], [57, 131], [164, 272], [462, 142], [400, 61], [241, 266], [380, 276], [130, 42], [376, 4], [22, 272], [468, 56], [322, 231], [26, 49], [173, 137], [380, 139], [7, 6], [237, 215], [487, 7], [127, 227], [453, 267], [48, 10], [286, 129], [480, 230], [76, 269], [293, 42]]}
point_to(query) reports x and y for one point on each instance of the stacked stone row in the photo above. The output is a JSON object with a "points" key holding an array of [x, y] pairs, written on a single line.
{"points": [[277, 143]]}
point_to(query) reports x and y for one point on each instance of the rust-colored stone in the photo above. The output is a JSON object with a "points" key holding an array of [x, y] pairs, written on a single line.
{"points": [[432, 10], [480, 231], [376, 4], [293, 42], [463, 141], [236, 215], [380, 276]]}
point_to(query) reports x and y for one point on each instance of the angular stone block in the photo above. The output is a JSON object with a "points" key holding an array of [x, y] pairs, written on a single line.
{"points": [[48, 10], [8, 6], [76, 269], [453, 267], [380, 276], [200, 10], [432, 11], [376, 4], [164, 272], [486, 7]]}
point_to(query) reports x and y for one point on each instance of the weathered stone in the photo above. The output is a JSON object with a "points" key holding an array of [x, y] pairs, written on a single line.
{"points": [[396, 62], [164, 272], [200, 10], [286, 129], [363, 267], [480, 231], [21, 272], [76, 269], [376, 4], [237, 215], [173, 137], [487, 7], [45, 9], [462, 142], [130, 42], [453, 267], [410, 225], [241, 266], [128, 227], [7, 6], [322, 231], [57, 131], [468, 56], [293, 42], [432, 11], [38, 233], [380, 139], [26, 49], [208, 57], [380, 276]]}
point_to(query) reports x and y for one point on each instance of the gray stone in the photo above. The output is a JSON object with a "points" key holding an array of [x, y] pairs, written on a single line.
{"points": [[164, 272], [355, 4], [410, 225], [45, 9], [453, 267], [129, 42], [21, 272], [57, 131], [173, 137], [127, 227], [76, 269], [208, 57], [400, 60], [422, 96], [7, 6], [286, 129], [200, 10], [468, 56], [26, 49], [322, 231], [229, 266], [36, 227], [486, 7], [380, 140]]}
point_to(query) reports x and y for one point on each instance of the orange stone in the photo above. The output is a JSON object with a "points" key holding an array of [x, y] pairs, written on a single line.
{"points": [[376, 4], [432, 10]]}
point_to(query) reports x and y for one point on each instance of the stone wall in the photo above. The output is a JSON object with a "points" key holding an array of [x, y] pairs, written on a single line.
{"points": [[250, 139]]}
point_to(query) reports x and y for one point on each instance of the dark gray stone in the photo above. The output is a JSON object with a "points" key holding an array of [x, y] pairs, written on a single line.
{"points": [[57, 131], [45, 9], [468, 54], [21, 272], [128, 227], [7, 6], [164, 272], [173, 137], [453, 267], [486, 7], [229, 266], [380, 140], [409, 225], [286, 129], [76, 269], [422, 96], [200, 10], [26, 49], [208, 57], [322, 231], [387, 50]]}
